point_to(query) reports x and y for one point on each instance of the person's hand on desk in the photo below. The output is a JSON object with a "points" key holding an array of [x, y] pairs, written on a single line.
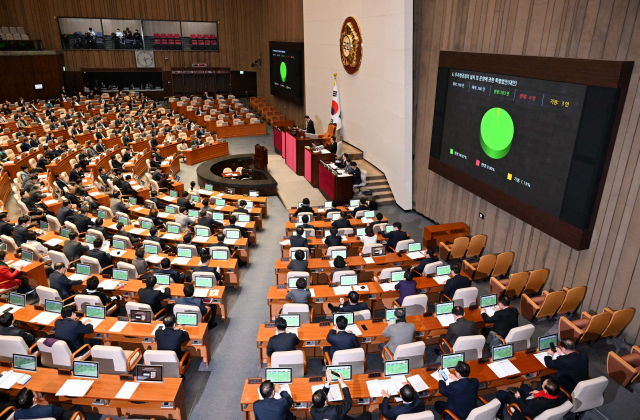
{"points": [[385, 393], [180, 327], [276, 388], [85, 321]]}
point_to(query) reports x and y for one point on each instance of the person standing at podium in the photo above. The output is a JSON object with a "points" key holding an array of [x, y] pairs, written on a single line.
{"points": [[310, 129], [333, 147]]}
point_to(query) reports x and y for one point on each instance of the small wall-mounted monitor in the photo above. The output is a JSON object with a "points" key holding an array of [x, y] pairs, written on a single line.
{"points": [[38, 86]]}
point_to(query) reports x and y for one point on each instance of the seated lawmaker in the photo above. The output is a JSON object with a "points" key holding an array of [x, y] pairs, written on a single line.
{"points": [[461, 392], [171, 336], [270, 408], [304, 208], [571, 367], [395, 236], [339, 339], [503, 320], [27, 407], [298, 263], [550, 397], [298, 240], [351, 306], [411, 403], [7, 328], [300, 294], [282, 341], [153, 297], [71, 330]]}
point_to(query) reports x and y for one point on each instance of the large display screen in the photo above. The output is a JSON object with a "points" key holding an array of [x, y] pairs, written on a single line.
{"points": [[531, 135], [286, 64]]}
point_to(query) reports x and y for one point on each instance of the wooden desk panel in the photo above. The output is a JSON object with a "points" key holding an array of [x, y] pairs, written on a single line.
{"points": [[207, 152], [242, 130], [447, 232]]}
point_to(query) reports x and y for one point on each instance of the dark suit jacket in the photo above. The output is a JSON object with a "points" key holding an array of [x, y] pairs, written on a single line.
{"points": [[348, 307], [298, 241], [295, 265], [461, 396], [153, 298], [272, 409], [107, 235], [62, 284], [103, 257], [74, 250], [311, 129], [461, 328], [82, 222], [175, 276], [184, 202], [334, 148], [282, 342], [103, 298], [333, 240], [394, 237], [333, 412], [209, 222], [17, 332], [170, 339], [72, 331], [423, 264], [392, 413], [20, 235], [456, 282], [341, 223], [503, 320], [536, 406], [570, 369], [342, 340], [40, 412], [304, 209], [65, 214], [6, 228], [357, 176]]}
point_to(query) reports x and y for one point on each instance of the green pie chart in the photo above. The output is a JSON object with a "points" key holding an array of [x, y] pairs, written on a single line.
{"points": [[283, 71], [496, 133]]}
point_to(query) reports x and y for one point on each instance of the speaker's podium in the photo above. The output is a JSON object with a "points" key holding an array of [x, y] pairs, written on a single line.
{"points": [[293, 148], [260, 158], [335, 187]]}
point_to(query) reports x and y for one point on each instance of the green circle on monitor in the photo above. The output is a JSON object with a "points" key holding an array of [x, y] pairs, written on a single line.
{"points": [[283, 71], [496, 133]]}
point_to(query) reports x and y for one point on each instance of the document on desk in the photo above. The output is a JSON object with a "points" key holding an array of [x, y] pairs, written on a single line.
{"points": [[241, 224], [74, 388], [369, 260], [200, 239], [229, 241], [539, 356], [205, 192], [292, 330], [504, 368], [418, 383], [170, 236], [283, 387], [7, 307], [95, 193], [366, 220], [375, 391], [44, 318], [201, 292], [341, 290], [285, 242], [158, 327], [137, 187], [127, 390], [19, 263], [360, 288], [436, 375], [313, 292], [118, 326], [491, 311], [415, 255], [9, 379], [446, 320], [77, 277], [139, 208], [334, 392], [163, 214], [153, 259], [331, 264], [54, 242], [180, 261], [136, 231], [388, 287], [441, 279], [50, 202], [218, 207], [95, 322], [325, 151], [353, 328]]}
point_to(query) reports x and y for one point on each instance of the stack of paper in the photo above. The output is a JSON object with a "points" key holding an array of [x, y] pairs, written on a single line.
{"points": [[205, 192], [180, 261], [200, 292], [109, 284], [127, 390], [118, 326], [504, 368], [353, 328], [74, 388], [162, 214], [441, 279], [229, 241], [50, 202], [44, 318], [137, 187], [436, 375], [241, 224], [136, 231], [418, 383], [153, 259], [313, 292], [9, 379], [331, 264], [200, 239], [415, 255], [94, 321], [19, 263], [77, 277], [446, 320], [391, 385], [292, 330], [341, 290], [491, 310], [218, 207], [285, 242], [542, 355], [388, 287], [54, 242], [366, 220], [369, 260], [95, 193], [170, 236], [334, 392]]}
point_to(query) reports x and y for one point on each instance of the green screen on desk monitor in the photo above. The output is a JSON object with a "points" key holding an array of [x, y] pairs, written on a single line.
{"points": [[451, 360], [278, 375], [95, 311], [293, 321], [396, 367], [344, 370]]}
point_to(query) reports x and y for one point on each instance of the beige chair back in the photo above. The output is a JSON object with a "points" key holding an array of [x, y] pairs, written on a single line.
{"points": [[476, 246]]}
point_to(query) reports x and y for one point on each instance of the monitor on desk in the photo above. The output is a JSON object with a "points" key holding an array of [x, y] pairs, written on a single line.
{"points": [[451, 360], [544, 342], [327, 233], [187, 319], [279, 375], [379, 251], [300, 205], [149, 373], [292, 282], [195, 198], [349, 280], [230, 191], [396, 367], [89, 239], [335, 216], [102, 214], [503, 352], [414, 247], [25, 362], [338, 253], [17, 299], [84, 269], [151, 249], [253, 193], [202, 232], [208, 187], [369, 214], [119, 244], [360, 232], [232, 234], [54, 306], [183, 252], [122, 275], [97, 312], [173, 193], [328, 204], [443, 270], [44, 226], [173, 229], [344, 370], [488, 301], [64, 232], [193, 213], [140, 317], [354, 203], [202, 281], [144, 224], [170, 209], [124, 220], [132, 201], [293, 320], [220, 202], [244, 218], [388, 228], [397, 276], [444, 308], [219, 255], [218, 217], [26, 256], [163, 279], [348, 315], [249, 204], [390, 315]]}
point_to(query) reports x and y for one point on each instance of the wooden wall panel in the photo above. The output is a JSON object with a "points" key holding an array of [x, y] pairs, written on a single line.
{"points": [[596, 29], [45, 69], [245, 29]]}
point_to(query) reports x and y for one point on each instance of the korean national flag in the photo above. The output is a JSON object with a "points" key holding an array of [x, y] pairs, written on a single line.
{"points": [[336, 112]]}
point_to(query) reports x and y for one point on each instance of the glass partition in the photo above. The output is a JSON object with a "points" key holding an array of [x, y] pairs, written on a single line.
{"points": [[200, 35], [162, 35], [121, 34], [80, 33]]}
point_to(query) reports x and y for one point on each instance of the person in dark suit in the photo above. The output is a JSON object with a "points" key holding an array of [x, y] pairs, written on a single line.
{"points": [[395, 236], [333, 148], [350, 306], [166, 269], [115, 163], [20, 231], [270, 408], [152, 297], [461, 328], [364, 205], [65, 213], [153, 236], [98, 226], [206, 220], [282, 341], [82, 221], [8, 329], [241, 207], [154, 198], [71, 330], [73, 249], [333, 239], [122, 232], [340, 265], [232, 224], [27, 407], [103, 258], [298, 263], [461, 393], [428, 260], [456, 282], [171, 337], [305, 223], [92, 290], [503, 319], [357, 176], [185, 202], [75, 176], [6, 228], [321, 410], [342, 222], [550, 397], [304, 208], [205, 259], [100, 147], [411, 403], [188, 298], [127, 189], [298, 240], [571, 367], [59, 281], [310, 129], [339, 338]]}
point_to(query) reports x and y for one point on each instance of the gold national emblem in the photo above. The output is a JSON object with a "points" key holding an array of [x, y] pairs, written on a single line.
{"points": [[351, 45]]}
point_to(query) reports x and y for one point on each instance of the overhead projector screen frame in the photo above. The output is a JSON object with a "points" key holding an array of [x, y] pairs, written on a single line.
{"points": [[600, 73]]}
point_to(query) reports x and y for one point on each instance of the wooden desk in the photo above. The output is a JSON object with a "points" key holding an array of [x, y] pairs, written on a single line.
{"points": [[166, 150], [447, 232], [293, 151], [241, 130], [171, 166], [5, 187], [290, 227], [311, 165], [35, 273], [146, 401], [207, 152], [337, 188]]}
